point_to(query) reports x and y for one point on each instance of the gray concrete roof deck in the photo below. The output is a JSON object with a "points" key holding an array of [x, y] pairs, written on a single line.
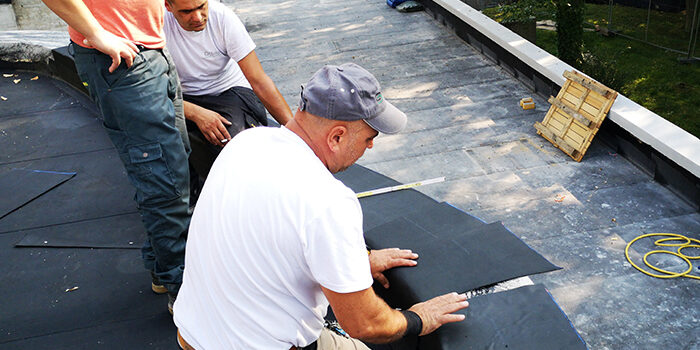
{"points": [[465, 124]]}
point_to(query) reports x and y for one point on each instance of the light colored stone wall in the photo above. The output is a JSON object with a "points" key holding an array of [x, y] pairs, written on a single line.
{"points": [[7, 17], [34, 15]]}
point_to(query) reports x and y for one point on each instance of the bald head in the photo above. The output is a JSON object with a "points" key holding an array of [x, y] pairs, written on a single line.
{"points": [[338, 144], [341, 111]]}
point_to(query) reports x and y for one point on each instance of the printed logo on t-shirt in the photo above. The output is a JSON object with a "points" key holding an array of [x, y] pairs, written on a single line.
{"points": [[210, 53]]}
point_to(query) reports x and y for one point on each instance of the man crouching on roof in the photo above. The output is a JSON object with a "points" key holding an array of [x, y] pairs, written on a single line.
{"points": [[265, 257]]}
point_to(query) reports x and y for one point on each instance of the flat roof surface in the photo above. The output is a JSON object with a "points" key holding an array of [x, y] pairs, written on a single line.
{"points": [[464, 123]]}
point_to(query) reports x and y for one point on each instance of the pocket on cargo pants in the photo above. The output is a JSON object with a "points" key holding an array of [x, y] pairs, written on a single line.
{"points": [[150, 173]]}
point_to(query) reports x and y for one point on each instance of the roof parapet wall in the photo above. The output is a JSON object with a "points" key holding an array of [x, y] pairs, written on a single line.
{"points": [[543, 73]]}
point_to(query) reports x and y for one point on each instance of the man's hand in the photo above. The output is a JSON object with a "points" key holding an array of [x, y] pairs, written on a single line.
{"points": [[79, 17], [113, 46], [384, 259], [439, 310], [210, 123]]}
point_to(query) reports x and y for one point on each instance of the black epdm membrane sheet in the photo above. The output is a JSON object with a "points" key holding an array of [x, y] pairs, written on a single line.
{"points": [[479, 257], [53, 297], [524, 318], [99, 189], [379, 209], [120, 231], [458, 253], [59, 293], [20, 186], [79, 299]]}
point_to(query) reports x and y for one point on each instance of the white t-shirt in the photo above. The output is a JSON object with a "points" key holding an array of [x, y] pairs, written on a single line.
{"points": [[207, 61], [270, 227]]}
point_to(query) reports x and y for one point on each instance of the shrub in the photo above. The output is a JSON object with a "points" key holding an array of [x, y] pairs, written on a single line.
{"points": [[569, 15], [602, 69], [521, 11]]}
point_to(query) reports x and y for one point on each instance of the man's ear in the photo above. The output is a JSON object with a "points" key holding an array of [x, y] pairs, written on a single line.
{"points": [[167, 6], [336, 136]]}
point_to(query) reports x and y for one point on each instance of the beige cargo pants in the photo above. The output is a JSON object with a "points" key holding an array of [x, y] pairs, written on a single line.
{"points": [[330, 340]]}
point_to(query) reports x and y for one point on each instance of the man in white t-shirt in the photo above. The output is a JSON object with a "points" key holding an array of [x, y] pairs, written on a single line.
{"points": [[223, 83], [266, 257]]}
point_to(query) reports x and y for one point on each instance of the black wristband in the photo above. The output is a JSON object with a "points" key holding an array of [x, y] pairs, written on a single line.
{"points": [[414, 324]]}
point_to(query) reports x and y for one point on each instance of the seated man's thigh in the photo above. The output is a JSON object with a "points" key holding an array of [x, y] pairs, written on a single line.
{"points": [[330, 340], [238, 105]]}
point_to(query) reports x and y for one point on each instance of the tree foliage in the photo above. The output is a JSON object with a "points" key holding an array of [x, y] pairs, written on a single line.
{"points": [[569, 17]]}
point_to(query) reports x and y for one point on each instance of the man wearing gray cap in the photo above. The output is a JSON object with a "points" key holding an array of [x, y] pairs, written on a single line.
{"points": [[275, 238]]}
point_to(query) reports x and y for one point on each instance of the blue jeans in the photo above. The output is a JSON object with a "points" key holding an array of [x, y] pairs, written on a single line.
{"points": [[142, 112]]}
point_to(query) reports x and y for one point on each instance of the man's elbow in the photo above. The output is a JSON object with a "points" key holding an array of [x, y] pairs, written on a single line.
{"points": [[261, 83]]}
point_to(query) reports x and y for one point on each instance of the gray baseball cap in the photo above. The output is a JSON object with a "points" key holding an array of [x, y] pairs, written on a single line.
{"points": [[348, 92]]}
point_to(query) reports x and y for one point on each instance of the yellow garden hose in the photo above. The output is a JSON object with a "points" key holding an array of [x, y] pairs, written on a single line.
{"points": [[661, 243]]}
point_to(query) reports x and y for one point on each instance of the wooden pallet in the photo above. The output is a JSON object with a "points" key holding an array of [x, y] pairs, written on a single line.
{"points": [[576, 114]]}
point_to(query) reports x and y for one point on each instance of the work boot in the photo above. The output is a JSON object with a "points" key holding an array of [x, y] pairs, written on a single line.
{"points": [[171, 301], [156, 286]]}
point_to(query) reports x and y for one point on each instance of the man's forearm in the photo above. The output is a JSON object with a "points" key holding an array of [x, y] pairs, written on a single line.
{"points": [[365, 316], [387, 327], [272, 100], [264, 88], [190, 110]]}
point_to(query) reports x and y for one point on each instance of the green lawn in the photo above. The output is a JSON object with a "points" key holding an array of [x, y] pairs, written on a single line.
{"points": [[665, 28], [648, 75]]}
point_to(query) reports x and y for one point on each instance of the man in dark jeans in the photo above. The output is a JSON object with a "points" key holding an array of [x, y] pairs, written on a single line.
{"points": [[225, 88], [141, 106]]}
